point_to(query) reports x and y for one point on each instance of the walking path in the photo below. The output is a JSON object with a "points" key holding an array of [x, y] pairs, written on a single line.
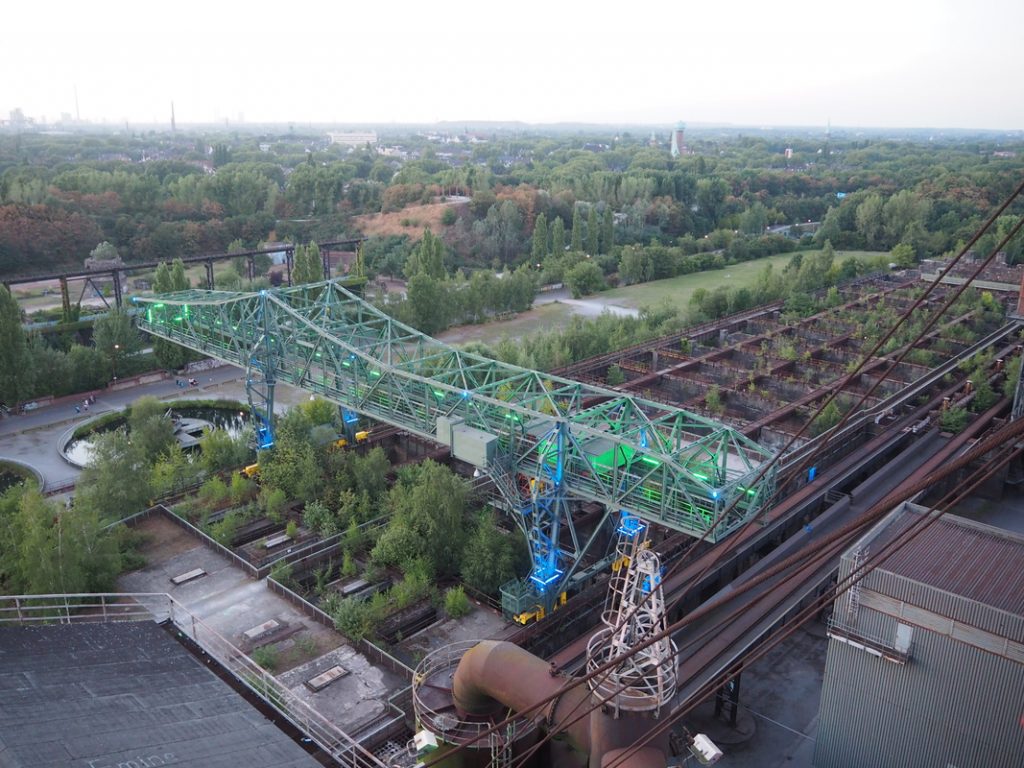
{"points": [[33, 438]]}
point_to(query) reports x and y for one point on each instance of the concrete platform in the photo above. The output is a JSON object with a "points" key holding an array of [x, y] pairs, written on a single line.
{"points": [[779, 699], [231, 603], [481, 623]]}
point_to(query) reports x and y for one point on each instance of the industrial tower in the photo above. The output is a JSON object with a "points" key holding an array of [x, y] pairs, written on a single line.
{"points": [[678, 143]]}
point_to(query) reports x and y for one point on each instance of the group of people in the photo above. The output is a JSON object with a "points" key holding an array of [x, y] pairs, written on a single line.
{"points": [[85, 404]]}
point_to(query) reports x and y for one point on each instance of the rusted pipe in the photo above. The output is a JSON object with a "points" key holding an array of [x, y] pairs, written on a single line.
{"points": [[496, 675], [493, 675], [642, 758]]}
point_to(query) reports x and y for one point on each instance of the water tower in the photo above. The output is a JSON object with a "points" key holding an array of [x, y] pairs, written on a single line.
{"points": [[678, 144]]}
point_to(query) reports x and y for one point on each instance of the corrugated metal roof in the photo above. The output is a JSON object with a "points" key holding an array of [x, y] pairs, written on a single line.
{"points": [[959, 556], [115, 694]]}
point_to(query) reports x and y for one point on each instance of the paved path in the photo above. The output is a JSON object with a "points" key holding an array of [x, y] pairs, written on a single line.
{"points": [[34, 438]]}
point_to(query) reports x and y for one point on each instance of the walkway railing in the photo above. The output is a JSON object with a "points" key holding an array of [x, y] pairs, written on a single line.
{"points": [[157, 606]]}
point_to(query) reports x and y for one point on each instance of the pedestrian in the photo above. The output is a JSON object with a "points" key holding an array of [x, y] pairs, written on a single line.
{"points": [[77, 409], [86, 406]]}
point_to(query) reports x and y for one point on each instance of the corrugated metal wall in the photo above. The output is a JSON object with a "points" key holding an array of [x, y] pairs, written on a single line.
{"points": [[951, 705]]}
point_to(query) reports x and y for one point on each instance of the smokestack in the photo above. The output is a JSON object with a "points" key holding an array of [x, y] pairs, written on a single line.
{"points": [[173, 128]]}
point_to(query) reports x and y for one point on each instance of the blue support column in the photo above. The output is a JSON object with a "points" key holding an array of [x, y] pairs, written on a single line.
{"points": [[547, 507], [260, 379]]}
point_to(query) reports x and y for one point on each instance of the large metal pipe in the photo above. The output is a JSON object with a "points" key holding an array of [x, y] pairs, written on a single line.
{"points": [[495, 675]]}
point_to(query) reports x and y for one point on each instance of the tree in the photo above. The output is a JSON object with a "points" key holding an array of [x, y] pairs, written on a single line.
{"points": [[614, 377], [50, 549], [492, 556], [558, 237], [427, 258], [583, 279], [428, 522], [151, 429], [115, 337], [902, 255], [427, 300], [90, 368], [607, 230], [222, 451], [593, 233], [754, 219], [116, 481], [577, 230], [713, 400], [291, 467], [635, 265], [104, 252], [15, 361], [170, 280], [307, 264], [830, 228], [539, 249], [711, 194], [904, 214], [869, 219]]}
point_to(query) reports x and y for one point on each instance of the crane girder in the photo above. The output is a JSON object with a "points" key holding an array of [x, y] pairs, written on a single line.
{"points": [[661, 463]]}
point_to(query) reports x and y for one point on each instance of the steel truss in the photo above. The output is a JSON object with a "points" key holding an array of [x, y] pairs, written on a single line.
{"points": [[542, 438]]}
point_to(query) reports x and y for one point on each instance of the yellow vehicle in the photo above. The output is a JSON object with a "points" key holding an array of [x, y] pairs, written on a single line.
{"points": [[251, 471], [360, 437]]}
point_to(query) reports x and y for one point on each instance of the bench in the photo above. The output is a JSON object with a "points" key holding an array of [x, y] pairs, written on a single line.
{"points": [[187, 576], [354, 586], [262, 630], [276, 541], [324, 679]]}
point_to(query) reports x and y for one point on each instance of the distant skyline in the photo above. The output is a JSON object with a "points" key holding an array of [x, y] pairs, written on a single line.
{"points": [[877, 63]]}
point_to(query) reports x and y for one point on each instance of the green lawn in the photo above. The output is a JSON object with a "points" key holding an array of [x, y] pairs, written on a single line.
{"points": [[678, 290], [541, 318]]}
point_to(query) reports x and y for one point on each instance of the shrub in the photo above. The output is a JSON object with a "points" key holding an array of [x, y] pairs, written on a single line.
{"points": [[223, 532], [282, 573], [266, 657], [348, 565], [213, 492], [954, 419], [456, 603], [292, 529], [272, 501]]}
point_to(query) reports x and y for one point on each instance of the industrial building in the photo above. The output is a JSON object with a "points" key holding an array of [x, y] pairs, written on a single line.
{"points": [[925, 662], [125, 694]]}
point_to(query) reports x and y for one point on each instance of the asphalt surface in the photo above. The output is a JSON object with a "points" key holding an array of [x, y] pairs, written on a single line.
{"points": [[34, 438]]}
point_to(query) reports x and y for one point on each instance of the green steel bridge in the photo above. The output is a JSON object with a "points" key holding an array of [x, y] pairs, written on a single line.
{"points": [[542, 439]]}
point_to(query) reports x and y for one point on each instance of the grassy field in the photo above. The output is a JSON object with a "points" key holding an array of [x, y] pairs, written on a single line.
{"points": [[543, 317], [678, 290]]}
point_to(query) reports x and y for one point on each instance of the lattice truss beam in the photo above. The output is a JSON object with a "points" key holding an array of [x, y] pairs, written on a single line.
{"points": [[661, 463]]}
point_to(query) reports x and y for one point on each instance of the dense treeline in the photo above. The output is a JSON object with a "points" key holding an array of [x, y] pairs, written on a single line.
{"points": [[161, 196]]}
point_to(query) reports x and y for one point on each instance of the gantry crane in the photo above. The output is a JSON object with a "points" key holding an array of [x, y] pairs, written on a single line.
{"points": [[543, 440]]}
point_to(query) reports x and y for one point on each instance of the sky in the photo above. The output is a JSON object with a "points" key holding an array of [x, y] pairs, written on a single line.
{"points": [[873, 63]]}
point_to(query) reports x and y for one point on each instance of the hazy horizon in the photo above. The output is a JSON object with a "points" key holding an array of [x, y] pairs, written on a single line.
{"points": [[790, 64]]}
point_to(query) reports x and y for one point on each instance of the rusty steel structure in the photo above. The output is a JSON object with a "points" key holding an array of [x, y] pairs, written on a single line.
{"points": [[92, 277]]}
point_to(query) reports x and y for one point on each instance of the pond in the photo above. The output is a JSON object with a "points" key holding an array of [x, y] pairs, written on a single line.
{"points": [[10, 477], [232, 420]]}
